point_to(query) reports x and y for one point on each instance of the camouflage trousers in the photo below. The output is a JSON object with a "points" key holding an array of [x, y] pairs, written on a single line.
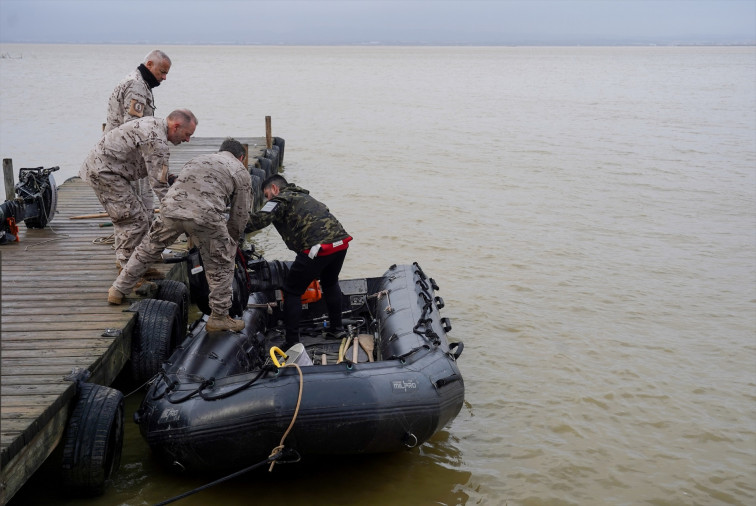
{"points": [[126, 210], [215, 245], [144, 191]]}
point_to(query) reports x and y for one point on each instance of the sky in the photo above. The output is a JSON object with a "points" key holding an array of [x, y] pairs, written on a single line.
{"points": [[410, 22]]}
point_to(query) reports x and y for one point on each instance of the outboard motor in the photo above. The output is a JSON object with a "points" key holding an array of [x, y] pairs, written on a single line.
{"points": [[267, 275], [35, 204]]}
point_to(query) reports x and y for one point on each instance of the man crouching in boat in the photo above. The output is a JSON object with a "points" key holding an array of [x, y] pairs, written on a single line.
{"points": [[310, 230], [195, 205]]}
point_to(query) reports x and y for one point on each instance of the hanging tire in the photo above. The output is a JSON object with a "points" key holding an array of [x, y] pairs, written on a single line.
{"points": [[281, 143], [158, 331], [177, 292], [265, 165], [93, 440]]}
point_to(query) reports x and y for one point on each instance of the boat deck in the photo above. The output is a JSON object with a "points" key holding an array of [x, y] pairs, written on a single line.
{"points": [[53, 288]]}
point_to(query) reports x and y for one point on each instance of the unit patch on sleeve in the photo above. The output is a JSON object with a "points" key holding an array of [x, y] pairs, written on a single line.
{"points": [[269, 206], [136, 108]]}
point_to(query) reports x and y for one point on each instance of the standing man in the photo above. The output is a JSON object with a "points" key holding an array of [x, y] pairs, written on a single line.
{"points": [[195, 205], [310, 230], [132, 99], [127, 153]]}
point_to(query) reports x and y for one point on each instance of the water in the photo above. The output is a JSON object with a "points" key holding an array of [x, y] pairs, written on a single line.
{"points": [[590, 217]]}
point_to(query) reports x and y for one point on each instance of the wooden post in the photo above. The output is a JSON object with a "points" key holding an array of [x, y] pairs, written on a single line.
{"points": [[10, 191], [246, 156], [268, 134]]}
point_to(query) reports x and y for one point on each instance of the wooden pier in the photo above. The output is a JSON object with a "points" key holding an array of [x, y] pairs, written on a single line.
{"points": [[55, 314]]}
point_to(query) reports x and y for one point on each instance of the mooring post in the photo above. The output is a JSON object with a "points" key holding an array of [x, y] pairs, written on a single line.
{"points": [[268, 134], [10, 190]]}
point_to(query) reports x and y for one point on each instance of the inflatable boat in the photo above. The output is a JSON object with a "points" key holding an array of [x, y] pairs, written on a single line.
{"points": [[225, 400]]}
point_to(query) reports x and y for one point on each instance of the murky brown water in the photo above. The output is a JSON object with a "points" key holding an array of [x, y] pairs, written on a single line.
{"points": [[590, 217]]}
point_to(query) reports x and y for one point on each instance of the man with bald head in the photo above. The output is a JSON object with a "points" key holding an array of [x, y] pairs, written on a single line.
{"points": [[137, 149], [132, 99]]}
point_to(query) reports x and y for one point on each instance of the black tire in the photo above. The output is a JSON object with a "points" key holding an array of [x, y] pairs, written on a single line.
{"points": [[93, 440], [177, 292], [257, 176], [272, 155], [278, 141], [158, 331], [265, 165]]}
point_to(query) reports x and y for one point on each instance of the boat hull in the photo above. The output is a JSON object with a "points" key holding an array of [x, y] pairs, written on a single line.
{"points": [[216, 408]]}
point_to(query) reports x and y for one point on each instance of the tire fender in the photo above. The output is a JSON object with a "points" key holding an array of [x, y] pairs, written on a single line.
{"points": [[157, 332], [177, 292], [93, 440]]}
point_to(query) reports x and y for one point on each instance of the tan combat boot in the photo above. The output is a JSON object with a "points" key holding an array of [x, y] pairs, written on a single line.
{"points": [[152, 273], [114, 296], [218, 322]]}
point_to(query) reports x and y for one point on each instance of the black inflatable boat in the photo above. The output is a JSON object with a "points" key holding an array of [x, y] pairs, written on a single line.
{"points": [[226, 400]]}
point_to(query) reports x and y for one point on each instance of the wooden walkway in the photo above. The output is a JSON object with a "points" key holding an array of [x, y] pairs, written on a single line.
{"points": [[53, 288]]}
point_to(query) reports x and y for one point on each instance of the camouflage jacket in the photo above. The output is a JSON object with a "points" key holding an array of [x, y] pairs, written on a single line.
{"points": [[131, 99], [301, 220], [134, 150], [206, 186]]}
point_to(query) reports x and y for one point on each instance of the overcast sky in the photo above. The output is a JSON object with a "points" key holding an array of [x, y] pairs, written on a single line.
{"points": [[373, 21]]}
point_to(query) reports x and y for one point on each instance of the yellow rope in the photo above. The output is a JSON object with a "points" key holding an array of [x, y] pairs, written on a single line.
{"points": [[280, 446]]}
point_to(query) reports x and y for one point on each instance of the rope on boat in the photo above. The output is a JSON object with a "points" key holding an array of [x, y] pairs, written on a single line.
{"points": [[279, 449], [272, 459]]}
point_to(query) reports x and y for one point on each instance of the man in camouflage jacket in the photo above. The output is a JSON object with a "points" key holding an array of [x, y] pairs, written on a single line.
{"points": [[132, 99], [310, 230], [127, 153], [195, 205]]}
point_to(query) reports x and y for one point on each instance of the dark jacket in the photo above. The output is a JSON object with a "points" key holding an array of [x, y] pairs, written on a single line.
{"points": [[301, 220]]}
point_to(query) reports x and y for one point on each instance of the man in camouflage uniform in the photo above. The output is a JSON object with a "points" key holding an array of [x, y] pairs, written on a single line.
{"points": [[195, 205], [132, 151], [132, 99], [310, 230]]}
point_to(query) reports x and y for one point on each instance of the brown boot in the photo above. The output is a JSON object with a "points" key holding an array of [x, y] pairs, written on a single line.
{"points": [[114, 296], [223, 322], [153, 273], [145, 288]]}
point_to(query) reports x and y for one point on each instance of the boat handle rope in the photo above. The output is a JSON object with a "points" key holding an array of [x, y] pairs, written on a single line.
{"points": [[459, 346], [211, 382], [411, 352], [424, 320], [422, 275], [238, 389]]}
